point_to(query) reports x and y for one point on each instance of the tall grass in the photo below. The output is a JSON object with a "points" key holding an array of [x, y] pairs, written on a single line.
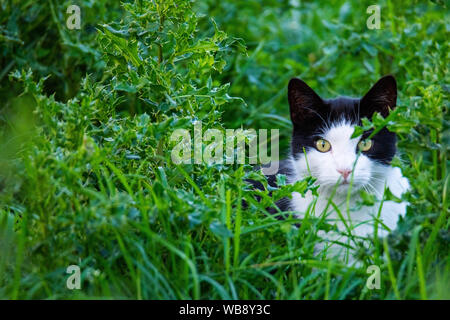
{"points": [[86, 174]]}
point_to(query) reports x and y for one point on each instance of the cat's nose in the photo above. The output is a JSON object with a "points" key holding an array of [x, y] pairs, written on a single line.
{"points": [[344, 172]]}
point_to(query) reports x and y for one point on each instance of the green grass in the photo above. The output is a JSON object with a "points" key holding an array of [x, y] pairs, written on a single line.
{"points": [[86, 176]]}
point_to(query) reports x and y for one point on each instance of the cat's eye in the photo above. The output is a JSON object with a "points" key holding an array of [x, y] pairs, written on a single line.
{"points": [[365, 145], [323, 145]]}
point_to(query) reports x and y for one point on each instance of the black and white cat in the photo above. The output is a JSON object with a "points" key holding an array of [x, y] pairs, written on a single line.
{"points": [[322, 147]]}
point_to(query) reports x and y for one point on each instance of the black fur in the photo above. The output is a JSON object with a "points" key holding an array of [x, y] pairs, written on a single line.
{"points": [[282, 204]]}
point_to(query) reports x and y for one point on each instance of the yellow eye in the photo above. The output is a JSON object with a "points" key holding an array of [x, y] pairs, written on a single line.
{"points": [[365, 145], [323, 145]]}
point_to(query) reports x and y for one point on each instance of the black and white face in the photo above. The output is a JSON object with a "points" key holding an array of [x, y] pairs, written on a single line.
{"points": [[322, 129]]}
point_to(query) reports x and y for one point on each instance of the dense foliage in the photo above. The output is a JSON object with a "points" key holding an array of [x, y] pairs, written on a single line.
{"points": [[86, 175]]}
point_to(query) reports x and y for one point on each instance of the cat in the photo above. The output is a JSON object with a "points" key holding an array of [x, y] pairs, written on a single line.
{"points": [[321, 146]]}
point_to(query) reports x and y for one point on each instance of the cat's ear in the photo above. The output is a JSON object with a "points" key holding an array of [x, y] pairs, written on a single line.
{"points": [[303, 101], [381, 98]]}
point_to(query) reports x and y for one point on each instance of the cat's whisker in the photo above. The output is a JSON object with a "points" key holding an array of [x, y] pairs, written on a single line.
{"points": [[375, 191]]}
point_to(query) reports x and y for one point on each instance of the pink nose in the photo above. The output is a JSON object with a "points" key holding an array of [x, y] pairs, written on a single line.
{"points": [[344, 172]]}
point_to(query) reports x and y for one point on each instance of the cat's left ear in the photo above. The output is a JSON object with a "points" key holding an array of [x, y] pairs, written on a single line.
{"points": [[381, 98]]}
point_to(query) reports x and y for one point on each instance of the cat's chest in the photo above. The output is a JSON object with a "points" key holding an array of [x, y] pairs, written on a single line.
{"points": [[361, 220], [348, 212], [332, 206]]}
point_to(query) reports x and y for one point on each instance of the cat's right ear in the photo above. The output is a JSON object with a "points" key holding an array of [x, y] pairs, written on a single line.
{"points": [[382, 98], [302, 101]]}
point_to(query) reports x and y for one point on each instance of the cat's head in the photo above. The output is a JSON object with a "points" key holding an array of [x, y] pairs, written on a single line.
{"points": [[323, 128]]}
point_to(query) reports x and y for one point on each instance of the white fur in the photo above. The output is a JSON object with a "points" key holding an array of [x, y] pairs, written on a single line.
{"points": [[367, 174]]}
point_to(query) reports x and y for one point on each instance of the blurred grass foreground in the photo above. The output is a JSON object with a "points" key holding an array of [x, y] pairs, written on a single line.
{"points": [[86, 177]]}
